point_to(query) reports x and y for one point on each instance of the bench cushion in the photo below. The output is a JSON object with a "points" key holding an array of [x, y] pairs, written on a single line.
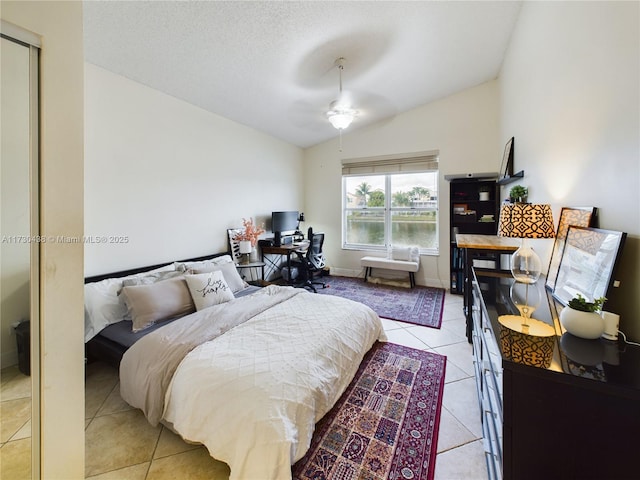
{"points": [[390, 264]]}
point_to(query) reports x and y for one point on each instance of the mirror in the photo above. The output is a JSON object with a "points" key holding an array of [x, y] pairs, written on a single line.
{"points": [[19, 247], [588, 261]]}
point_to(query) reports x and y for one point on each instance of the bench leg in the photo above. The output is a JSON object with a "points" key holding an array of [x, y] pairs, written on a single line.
{"points": [[367, 272], [412, 279]]}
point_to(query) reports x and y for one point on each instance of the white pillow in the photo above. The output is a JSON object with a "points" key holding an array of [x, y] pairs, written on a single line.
{"points": [[208, 289], [184, 266], [102, 307], [230, 272], [400, 253], [406, 254]]}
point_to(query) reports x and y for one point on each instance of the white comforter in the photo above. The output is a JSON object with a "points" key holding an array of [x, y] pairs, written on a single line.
{"points": [[254, 394]]}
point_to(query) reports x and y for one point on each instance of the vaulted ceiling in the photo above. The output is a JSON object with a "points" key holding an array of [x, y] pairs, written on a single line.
{"points": [[270, 64]]}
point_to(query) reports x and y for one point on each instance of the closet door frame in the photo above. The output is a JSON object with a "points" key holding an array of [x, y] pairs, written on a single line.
{"points": [[31, 41]]}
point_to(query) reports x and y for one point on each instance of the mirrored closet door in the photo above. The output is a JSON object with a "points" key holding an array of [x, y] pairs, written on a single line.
{"points": [[19, 254]]}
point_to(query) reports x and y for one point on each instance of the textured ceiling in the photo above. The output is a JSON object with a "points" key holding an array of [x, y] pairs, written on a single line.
{"points": [[269, 65]]}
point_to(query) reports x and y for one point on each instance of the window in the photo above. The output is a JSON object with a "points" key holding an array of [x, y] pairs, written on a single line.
{"points": [[390, 201]]}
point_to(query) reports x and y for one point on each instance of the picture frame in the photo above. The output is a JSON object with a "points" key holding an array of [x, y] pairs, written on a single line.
{"points": [[577, 216], [506, 167], [588, 261], [234, 245]]}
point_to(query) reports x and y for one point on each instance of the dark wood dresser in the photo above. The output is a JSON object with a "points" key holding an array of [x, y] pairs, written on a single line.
{"points": [[573, 415]]}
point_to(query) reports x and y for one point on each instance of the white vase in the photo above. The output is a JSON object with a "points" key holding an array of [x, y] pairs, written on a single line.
{"points": [[589, 325], [253, 256], [245, 246]]}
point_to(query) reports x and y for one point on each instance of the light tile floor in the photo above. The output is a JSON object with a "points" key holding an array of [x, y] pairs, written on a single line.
{"points": [[121, 445]]}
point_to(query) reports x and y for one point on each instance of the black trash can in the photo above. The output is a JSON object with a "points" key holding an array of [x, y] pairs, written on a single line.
{"points": [[23, 337]]}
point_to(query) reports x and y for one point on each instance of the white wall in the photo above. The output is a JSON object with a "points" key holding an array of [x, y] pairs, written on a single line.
{"points": [[463, 127], [172, 177], [569, 94], [61, 181]]}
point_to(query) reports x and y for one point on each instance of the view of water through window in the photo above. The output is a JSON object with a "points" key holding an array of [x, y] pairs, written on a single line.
{"points": [[393, 209]]}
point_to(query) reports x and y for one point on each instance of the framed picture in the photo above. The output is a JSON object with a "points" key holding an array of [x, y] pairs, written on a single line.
{"points": [[234, 245], [506, 167], [589, 258], [577, 216]]}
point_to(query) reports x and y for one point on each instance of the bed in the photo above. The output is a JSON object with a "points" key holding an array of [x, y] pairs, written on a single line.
{"points": [[247, 376]]}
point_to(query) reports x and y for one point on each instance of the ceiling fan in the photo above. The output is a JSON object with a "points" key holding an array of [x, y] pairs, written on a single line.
{"points": [[341, 113]]}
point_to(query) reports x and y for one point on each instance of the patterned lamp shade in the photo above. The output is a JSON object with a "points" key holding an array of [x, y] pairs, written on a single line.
{"points": [[529, 344], [526, 220]]}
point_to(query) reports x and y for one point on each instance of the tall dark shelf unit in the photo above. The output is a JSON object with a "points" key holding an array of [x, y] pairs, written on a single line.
{"points": [[466, 211]]}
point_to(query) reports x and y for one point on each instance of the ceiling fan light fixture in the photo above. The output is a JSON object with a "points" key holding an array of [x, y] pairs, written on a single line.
{"points": [[340, 115], [341, 118]]}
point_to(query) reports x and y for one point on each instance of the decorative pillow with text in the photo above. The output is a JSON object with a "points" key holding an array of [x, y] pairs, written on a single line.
{"points": [[208, 289]]}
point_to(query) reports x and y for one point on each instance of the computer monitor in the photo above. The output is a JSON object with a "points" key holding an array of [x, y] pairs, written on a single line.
{"points": [[284, 223]]}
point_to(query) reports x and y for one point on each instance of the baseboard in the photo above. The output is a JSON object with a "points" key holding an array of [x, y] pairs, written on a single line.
{"points": [[9, 358], [391, 277], [346, 272]]}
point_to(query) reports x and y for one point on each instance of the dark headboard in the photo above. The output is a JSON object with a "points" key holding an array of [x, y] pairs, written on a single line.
{"points": [[132, 271]]}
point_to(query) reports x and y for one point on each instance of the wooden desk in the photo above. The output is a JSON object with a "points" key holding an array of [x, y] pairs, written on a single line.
{"points": [[282, 250], [478, 245]]}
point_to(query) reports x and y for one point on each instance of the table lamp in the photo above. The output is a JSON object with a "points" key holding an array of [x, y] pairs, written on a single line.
{"points": [[525, 220]]}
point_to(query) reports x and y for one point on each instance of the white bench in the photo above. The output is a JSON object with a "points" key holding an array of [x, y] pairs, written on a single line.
{"points": [[404, 259]]}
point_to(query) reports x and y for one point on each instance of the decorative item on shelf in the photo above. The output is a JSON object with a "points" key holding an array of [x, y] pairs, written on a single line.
{"points": [[248, 238], [525, 220], [484, 193], [582, 318], [506, 167], [518, 193]]}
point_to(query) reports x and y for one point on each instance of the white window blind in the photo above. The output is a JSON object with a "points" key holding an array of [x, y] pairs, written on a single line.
{"points": [[408, 163]]}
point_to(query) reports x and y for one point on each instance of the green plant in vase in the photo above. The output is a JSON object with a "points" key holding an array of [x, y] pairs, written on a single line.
{"points": [[518, 193], [582, 318], [580, 303]]}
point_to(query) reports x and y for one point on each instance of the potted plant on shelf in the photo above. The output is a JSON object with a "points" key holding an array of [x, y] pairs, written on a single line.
{"points": [[518, 194], [248, 238], [582, 318]]}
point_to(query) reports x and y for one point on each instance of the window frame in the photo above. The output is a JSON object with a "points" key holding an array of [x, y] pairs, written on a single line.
{"points": [[388, 211]]}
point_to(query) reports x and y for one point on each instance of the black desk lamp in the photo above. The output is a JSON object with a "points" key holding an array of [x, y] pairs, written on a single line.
{"points": [[300, 219]]}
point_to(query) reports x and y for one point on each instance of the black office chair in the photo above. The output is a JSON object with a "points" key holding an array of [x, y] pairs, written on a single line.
{"points": [[311, 263]]}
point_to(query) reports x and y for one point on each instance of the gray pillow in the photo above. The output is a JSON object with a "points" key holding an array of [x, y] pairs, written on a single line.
{"points": [[148, 304], [184, 266], [230, 272], [151, 278], [145, 280]]}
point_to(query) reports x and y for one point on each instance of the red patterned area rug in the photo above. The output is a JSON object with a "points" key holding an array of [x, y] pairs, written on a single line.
{"points": [[418, 305], [385, 425]]}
